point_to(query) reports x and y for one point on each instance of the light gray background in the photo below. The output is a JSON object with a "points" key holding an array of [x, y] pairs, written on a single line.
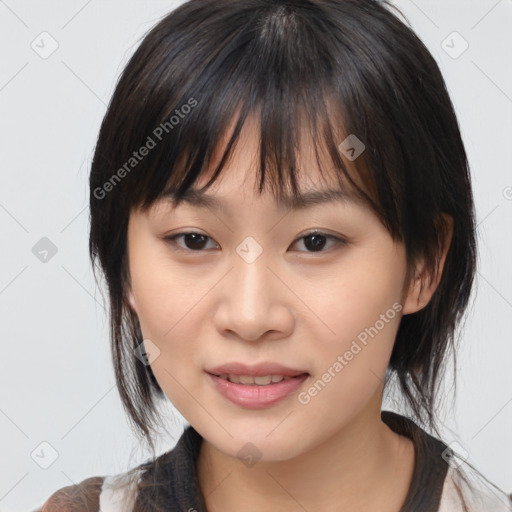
{"points": [[57, 384]]}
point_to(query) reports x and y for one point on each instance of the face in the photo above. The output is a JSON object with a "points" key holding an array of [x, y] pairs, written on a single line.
{"points": [[254, 286]]}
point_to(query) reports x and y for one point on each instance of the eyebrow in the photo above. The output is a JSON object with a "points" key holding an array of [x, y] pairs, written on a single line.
{"points": [[311, 198]]}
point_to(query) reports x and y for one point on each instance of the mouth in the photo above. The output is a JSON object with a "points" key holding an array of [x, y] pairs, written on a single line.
{"points": [[260, 380], [256, 386], [263, 374]]}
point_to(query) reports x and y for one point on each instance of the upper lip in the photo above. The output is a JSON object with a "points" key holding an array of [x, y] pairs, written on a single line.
{"points": [[265, 368]]}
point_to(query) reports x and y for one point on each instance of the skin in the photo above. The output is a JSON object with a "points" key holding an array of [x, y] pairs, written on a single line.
{"points": [[293, 306]]}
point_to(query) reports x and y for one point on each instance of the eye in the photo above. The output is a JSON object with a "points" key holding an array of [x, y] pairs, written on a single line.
{"points": [[193, 241], [314, 241]]}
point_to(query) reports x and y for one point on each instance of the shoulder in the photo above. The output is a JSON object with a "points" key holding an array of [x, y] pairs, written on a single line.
{"points": [[465, 486], [119, 493], [81, 497], [114, 493]]}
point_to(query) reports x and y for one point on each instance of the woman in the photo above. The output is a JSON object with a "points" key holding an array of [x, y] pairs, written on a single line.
{"points": [[282, 210]]}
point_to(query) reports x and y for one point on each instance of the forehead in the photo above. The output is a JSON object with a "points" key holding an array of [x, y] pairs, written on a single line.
{"points": [[312, 197]]}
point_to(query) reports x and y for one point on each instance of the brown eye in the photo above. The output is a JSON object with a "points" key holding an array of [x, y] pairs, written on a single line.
{"points": [[191, 241], [316, 241]]}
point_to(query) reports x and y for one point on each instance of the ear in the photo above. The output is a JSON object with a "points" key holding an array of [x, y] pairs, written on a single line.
{"points": [[131, 300], [423, 283]]}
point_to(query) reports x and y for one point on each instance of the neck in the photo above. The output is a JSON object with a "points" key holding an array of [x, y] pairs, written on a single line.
{"points": [[364, 466]]}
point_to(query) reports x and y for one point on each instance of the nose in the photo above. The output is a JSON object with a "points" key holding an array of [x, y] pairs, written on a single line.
{"points": [[254, 303]]}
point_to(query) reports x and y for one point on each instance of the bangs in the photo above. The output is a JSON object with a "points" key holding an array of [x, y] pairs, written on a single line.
{"points": [[280, 144]]}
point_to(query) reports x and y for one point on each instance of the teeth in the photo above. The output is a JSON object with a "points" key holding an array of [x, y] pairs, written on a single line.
{"points": [[262, 380], [243, 379]]}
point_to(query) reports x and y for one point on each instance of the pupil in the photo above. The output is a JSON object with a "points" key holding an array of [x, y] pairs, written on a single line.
{"points": [[190, 236], [317, 244]]}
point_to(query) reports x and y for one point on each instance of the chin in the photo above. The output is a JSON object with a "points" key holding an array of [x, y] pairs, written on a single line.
{"points": [[258, 444]]}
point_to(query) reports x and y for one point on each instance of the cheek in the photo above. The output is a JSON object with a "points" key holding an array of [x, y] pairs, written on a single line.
{"points": [[167, 312], [350, 362], [167, 318], [164, 293], [169, 304], [362, 311], [353, 296]]}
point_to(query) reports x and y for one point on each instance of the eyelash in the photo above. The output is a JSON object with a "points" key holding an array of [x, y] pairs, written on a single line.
{"points": [[172, 240]]}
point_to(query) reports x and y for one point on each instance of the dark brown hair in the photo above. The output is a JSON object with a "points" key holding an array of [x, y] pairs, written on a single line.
{"points": [[329, 68]]}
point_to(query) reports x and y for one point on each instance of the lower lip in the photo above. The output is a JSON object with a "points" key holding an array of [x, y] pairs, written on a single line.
{"points": [[257, 397]]}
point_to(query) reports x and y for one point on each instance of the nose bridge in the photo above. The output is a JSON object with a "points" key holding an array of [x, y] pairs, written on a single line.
{"points": [[253, 304], [252, 278]]}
